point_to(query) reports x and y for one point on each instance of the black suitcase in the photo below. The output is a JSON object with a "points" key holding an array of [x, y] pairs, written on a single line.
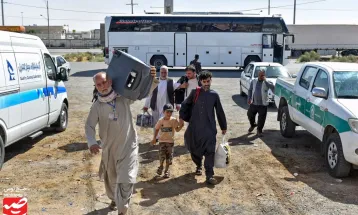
{"points": [[130, 76]]}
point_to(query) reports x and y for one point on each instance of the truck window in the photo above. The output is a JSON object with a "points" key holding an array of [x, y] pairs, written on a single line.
{"points": [[50, 67], [321, 80], [307, 76]]}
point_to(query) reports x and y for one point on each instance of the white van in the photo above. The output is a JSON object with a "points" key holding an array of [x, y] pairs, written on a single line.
{"points": [[32, 93]]}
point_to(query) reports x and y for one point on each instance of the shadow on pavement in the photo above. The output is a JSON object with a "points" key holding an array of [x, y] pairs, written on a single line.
{"points": [[241, 101], [172, 73], [155, 190], [74, 147], [25, 145], [149, 153], [302, 155], [103, 211]]}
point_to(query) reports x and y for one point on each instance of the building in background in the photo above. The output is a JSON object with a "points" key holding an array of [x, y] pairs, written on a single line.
{"points": [[168, 6], [96, 34], [56, 32], [86, 34], [102, 34]]}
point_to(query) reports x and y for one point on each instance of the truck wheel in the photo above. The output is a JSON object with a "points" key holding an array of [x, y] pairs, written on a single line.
{"points": [[62, 121], [287, 127], [2, 152], [241, 91], [338, 167]]}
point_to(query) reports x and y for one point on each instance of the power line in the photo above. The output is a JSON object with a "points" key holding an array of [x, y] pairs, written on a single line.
{"points": [[80, 20], [324, 9], [78, 11], [290, 5]]}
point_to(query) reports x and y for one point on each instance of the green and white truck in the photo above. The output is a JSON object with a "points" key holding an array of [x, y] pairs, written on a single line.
{"points": [[323, 99]]}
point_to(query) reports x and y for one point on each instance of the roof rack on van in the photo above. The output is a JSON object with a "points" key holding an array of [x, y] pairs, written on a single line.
{"points": [[18, 29]]}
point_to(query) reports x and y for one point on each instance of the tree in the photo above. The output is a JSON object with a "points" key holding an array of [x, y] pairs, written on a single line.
{"points": [[73, 31]]}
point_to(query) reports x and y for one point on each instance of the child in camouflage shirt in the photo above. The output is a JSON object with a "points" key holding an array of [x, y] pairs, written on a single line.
{"points": [[166, 128]]}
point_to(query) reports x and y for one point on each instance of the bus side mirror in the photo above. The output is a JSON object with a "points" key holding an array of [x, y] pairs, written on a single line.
{"points": [[293, 38]]}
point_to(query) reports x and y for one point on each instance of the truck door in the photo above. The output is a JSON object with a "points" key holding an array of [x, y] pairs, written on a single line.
{"points": [[317, 107], [267, 48], [52, 89], [180, 49], [301, 92]]}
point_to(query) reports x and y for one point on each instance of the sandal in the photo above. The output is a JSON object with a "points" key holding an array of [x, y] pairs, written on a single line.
{"points": [[159, 171], [167, 174], [198, 171], [113, 206]]}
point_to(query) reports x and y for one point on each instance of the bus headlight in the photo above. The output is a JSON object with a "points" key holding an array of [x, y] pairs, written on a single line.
{"points": [[353, 123]]}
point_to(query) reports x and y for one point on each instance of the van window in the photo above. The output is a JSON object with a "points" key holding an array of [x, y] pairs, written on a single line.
{"points": [[50, 67]]}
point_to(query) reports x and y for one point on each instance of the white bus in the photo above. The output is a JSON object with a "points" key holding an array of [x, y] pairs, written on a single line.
{"points": [[219, 40]]}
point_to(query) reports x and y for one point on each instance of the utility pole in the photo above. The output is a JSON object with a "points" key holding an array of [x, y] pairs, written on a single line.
{"points": [[269, 7], [48, 24], [132, 5], [294, 12], [2, 12], [22, 18]]}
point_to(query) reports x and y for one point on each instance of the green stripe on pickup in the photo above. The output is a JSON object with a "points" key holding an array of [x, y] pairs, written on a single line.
{"points": [[312, 111]]}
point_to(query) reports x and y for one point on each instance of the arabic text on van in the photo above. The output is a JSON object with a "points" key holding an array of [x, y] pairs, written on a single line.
{"points": [[28, 67]]}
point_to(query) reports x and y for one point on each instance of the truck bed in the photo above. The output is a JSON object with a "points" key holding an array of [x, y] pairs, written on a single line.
{"points": [[288, 83]]}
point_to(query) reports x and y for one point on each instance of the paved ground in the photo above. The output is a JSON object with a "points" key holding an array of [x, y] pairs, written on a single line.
{"points": [[59, 176]]}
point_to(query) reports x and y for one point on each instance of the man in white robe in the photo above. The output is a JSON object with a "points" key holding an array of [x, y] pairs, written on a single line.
{"points": [[119, 163], [162, 95]]}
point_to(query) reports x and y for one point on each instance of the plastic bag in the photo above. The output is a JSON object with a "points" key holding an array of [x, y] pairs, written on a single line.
{"points": [[223, 154]]}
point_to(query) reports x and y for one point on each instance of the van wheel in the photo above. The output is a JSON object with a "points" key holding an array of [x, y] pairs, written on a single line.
{"points": [[2, 152], [287, 127], [338, 167], [62, 121]]}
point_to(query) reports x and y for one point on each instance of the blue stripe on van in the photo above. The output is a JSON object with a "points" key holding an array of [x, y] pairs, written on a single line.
{"points": [[27, 96]]}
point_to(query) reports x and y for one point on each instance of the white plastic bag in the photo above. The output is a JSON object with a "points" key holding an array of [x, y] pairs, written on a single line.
{"points": [[222, 155]]}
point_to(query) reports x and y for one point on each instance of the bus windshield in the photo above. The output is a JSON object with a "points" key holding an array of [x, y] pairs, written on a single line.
{"points": [[345, 84]]}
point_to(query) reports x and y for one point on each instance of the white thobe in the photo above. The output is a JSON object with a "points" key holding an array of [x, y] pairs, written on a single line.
{"points": [[192, 85], [119, 163], [162, 99]]}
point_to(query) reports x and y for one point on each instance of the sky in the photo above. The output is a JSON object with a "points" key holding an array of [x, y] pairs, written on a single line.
{"points": [[308, 11]]}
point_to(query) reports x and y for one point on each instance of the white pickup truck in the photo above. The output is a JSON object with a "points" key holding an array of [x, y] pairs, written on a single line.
{"points": [[323, 99]]}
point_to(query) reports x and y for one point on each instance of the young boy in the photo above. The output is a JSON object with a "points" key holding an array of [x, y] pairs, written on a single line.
{"points": [[166, 128]]}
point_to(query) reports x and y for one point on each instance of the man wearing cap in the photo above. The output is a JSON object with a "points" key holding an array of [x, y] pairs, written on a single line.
{"points": [[166, 128]]}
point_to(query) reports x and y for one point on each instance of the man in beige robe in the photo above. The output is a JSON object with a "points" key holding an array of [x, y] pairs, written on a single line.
{"points": [[119, 163]]}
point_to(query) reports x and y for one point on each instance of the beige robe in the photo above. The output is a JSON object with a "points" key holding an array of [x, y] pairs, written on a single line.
{"points": [[119, 142]]}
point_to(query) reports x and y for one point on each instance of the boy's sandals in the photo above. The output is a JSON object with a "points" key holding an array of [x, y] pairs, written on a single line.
{"points": [[160, 171], [167, 174]]}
